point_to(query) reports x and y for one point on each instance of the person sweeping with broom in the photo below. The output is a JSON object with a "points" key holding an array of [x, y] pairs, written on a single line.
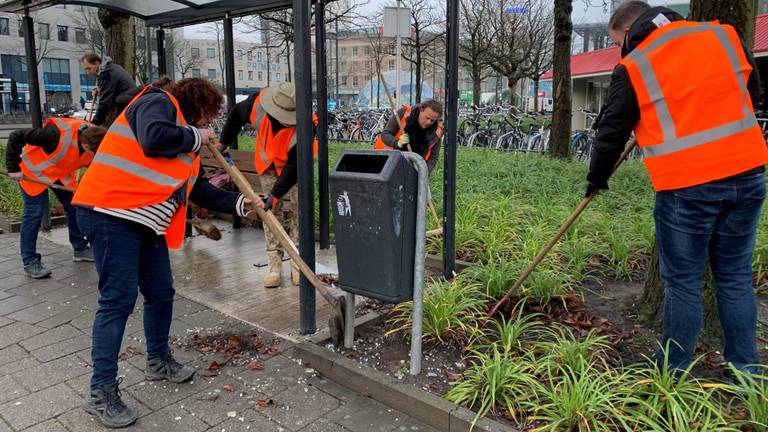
{"points": [[50, 154], [132, 205], [272, 114]]}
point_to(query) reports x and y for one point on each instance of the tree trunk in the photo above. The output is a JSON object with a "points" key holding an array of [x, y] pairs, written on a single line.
{"points": [[418, 77], [741, 15], [536, 95], [560, 137], [476, 88], [121, 40]]}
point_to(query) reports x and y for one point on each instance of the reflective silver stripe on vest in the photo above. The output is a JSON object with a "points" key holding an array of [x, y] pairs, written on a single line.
{"points": [[260, 146], [65, 143], [126, 132], [136, 169], [670, 141]]}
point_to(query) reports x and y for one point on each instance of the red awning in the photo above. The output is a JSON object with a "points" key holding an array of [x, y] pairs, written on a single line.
{"points": [[602, 62], [591, 63]]}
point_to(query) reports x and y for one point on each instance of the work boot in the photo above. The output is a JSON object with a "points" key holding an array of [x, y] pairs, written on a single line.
{"points": [[35, 270], [274, 276], [295, 275], [83, 255], [166, 367], [105, 403]]}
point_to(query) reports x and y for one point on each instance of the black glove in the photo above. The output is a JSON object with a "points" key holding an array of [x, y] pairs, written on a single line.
{"points": [[269, 201], [593, 189]]}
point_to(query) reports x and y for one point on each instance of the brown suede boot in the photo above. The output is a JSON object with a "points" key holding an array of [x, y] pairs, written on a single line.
{"points": [[274, 276]]}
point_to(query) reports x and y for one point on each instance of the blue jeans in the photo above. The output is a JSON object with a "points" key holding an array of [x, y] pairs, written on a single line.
{"points": [[33, 217], [717, 222], [129, 258]]}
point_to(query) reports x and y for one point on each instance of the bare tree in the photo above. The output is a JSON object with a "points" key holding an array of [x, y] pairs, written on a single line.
{"points": [[183, 61], [516, 26], [216, 28], [475, 43], [427, 26], [559, 140], [540, 61], [94, 36]]}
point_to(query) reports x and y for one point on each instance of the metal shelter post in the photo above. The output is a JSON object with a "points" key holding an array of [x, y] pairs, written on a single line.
{"points": [[322, 124], [148, 47], [229, 63], [451, 115], [34, 84], [162, 68], [303, 81]]}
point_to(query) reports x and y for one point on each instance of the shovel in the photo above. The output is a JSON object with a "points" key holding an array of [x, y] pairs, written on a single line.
{"points": [[335, 300], [563, 228]]}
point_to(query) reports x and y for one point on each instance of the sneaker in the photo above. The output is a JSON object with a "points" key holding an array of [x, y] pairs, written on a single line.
{"points": [[166, 367], [105, 403], [35, 270], [83, 255]]}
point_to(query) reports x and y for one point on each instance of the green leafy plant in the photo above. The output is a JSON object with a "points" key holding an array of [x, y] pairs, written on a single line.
{"points": [[494, 381], [509, 336], [450, 311], [751, 392], [567, 352]]}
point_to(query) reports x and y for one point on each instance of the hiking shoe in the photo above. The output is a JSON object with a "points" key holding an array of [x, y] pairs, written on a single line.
{"points": [[166, 367], [35, 270], [83, 255], [105, 403]]}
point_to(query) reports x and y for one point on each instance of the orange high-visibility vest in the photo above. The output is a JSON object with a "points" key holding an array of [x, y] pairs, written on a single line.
{"points": [[60, 165], [379, 143], [272, 148], [697, 123], [123, 177]]}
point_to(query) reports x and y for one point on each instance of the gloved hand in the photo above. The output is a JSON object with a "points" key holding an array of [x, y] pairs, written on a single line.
{"points": [[16, 176], [403, 142], [269, 202], [593, 189]]}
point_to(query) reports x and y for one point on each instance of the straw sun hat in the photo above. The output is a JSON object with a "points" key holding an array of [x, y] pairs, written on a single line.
{"points": [[280, 102]]}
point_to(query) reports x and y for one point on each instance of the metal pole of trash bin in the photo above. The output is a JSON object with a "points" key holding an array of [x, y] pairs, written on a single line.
{"points": [[418, 266], [349, 320]]}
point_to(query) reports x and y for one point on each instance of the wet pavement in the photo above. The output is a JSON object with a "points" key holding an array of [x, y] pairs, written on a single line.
{"points": [[45, 335]]}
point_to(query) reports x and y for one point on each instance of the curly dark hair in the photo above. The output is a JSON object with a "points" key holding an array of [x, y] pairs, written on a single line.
{"points": [[198, 98]]}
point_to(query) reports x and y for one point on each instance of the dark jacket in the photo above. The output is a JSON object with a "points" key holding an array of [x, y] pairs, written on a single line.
{"points": [[420, 139], [152, 119], [46, 137], [112, 81], [239, 117], [621, 111]]}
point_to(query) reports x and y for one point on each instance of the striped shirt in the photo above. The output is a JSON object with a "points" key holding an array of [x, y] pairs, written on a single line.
{"points": [[158, 217]]}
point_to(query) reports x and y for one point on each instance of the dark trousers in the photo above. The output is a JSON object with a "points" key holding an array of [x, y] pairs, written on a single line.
{"points": [[129, 258], [714, 222], [33, 217]]}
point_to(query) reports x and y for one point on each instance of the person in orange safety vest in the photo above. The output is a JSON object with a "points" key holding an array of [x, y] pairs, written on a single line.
{"points": [[132, 205], [272, 115], [52, 154], [421, 131], [687, 90]]}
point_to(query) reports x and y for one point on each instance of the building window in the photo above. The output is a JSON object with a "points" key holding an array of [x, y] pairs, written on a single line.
{"points": [[258, 56], [277, 77], [250, 75], [354, 81], [211, 74], [250, 56], [344, 81], [56, 74], [211, 53], [239, 54], [367, 51], [343, 51], [21, 28], [44, 30], [4, 29], [14, 67], [195, 73], [261, 75], [63, 33], [79, 35], [195, 53], [239, 74], [391, 64], [354, 51]]}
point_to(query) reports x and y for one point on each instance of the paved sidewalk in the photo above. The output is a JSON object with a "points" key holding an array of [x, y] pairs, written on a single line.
{"points": [[45, 329]]}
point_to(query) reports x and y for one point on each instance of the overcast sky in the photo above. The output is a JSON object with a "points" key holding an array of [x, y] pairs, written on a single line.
{"points": [[584, 11]]}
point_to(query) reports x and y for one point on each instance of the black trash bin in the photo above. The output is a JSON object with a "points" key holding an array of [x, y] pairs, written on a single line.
{"points": [[374, 214]]}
